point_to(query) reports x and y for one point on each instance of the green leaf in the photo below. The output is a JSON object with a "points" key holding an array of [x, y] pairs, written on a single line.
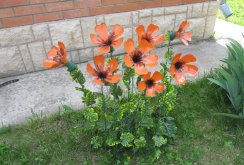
{"points": [[90, 115], [159, 141], [128, 73], [230, 115], [140, 142], [96, 142], [126, 139], [112, 142], [88, 98], [146, 122], [116, 91]]}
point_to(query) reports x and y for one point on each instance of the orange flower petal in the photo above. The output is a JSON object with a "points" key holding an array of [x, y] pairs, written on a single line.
{"points": [[180, 78], [98, 82], [151, 60], [118, 30], [62, 48], [146, 76], [99, 61], [52, 53], [145, 46], [188, 58], [51, 64], [140, 69], [187, 36], [142, 85], [104, 49], [140, 30], [102, 31], [117, 43], [95, 39], [113, 78], [159, 87], [151, 30], [112, 65], [184, 41], [157, 76], [90, 70], [172, 70], [129, 46], [183, 26], [191, 70], [128, 61], [176, 58], [158, 39], [150, 92], [61, 45], [55, 48]]}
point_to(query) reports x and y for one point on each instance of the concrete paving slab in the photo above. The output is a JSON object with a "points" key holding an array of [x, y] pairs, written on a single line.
{"points": [[46, 91]]}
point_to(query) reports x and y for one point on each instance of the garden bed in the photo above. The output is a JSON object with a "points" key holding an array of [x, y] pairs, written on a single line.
{"points": [[202, 138]]}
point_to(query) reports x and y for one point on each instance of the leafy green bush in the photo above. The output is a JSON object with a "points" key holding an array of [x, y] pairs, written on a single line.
{"points": [[133, 120], [127, 126], [231, 78]]}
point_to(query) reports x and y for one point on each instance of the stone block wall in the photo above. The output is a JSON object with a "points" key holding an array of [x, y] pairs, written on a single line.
{"points": [[23, 48]]}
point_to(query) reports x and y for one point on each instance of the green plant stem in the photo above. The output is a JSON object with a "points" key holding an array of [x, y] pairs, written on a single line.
{"points": [[132, 84], [129, 90], [104, 109], [169, 58]]}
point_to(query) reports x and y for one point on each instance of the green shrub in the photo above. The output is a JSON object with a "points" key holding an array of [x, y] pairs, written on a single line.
{"points": [[231, 78], [128, 126]]}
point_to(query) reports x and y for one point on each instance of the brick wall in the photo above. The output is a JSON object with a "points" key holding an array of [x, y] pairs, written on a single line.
{"points": [[27, 12]]}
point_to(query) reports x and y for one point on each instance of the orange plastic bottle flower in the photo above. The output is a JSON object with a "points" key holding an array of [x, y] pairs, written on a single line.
{"points": [[183, 36], [101, 73], [56, 56], [149, 35], [180, 66], [137, 57], [150, 84], [107, 41]]}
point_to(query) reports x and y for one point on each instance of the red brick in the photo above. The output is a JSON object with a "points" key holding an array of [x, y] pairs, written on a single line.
{"points": [[17, 21], [1, 24], [109, 2], [26, 10], [6, 13], [171, 2], [42, 1], [59, 6], [48, 17], [135, 0], [76, 13], [87, 3], [8, 3], [127, 7], [101, 10], [151, 4], [192, 1]]}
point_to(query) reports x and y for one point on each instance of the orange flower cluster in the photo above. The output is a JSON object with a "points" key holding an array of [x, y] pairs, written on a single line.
{"points": [[137, 58]]}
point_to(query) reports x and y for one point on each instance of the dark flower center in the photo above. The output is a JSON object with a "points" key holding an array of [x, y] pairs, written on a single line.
{"points": [[149, 83], [137, 57], [109, 42], [178, 65], [102, 75], [57, 59], [147, 39]]}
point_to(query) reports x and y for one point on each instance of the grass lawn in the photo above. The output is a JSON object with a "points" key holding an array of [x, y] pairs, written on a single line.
{"points": [[237, 7], [201, 137]]}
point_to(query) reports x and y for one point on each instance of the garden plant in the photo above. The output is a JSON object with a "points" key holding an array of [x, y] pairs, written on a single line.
{"points": [[129, 116], [231, 78]]}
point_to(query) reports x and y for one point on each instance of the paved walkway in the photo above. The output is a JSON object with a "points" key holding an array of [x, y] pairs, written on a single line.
{"points": [[44, 92]]}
